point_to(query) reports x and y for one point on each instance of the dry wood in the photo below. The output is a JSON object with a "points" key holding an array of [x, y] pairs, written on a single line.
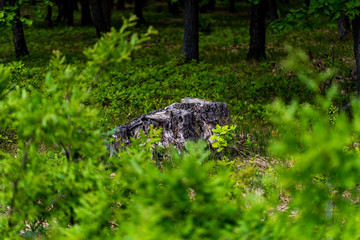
{"points": [[191, 119]]}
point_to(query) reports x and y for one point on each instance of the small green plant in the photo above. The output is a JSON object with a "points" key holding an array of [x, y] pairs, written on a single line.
{"points": [[223, 136], [333, 113]]}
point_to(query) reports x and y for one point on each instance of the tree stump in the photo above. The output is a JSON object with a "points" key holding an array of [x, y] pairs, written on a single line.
{"points": [[191, 119]]}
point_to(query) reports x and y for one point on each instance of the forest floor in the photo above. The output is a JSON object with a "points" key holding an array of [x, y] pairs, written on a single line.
{"points": [[242, 192], [156, 76]]}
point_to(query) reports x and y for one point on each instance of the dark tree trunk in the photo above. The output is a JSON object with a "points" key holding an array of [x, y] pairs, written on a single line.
{"points": [[343, 25], [18, 33], [85, 13], [181, 3], [102, 14], [138, 11], [66, 12], [61, 5], [2, 4], [76, 5], [107, 6], [191, 31], [173, 7], [48, 19], [232, 6], [356, 36], [209, 6], [120, 5], [307, 3], [69, 12], [273, 10], [257, 31]]}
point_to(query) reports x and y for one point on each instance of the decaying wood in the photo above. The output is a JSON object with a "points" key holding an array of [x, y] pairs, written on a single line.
{"points": [[191, 119]]}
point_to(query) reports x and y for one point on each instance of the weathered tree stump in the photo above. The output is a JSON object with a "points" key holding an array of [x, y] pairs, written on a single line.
{"points": [[192, 119]]}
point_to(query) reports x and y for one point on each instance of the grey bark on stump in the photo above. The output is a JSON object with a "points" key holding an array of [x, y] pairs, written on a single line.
{"points": [[191, 119]]}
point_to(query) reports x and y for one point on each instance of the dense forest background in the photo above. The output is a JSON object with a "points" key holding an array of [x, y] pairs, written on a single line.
{"points": [[286, 167]]}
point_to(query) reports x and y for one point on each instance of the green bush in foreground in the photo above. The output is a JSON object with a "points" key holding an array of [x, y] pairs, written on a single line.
{"points": [[62, 184]]}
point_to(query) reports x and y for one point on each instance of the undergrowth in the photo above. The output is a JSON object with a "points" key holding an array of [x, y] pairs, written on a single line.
{"points": [[288, 170]]}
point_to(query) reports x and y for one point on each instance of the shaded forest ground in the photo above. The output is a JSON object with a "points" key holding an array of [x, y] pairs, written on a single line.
{"points": [[156, 77]]}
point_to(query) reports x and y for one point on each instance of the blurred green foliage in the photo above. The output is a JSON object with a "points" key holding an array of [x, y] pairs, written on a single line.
{"points": [[58, 180]]}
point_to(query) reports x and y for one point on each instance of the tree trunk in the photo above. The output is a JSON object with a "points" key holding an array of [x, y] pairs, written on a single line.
{"points": [[173, 7], [120, 5], [307, 3], [60, 16], [101, 15], [257, 31], [85, 13], [66, 12], [209, 6], [48, 19], [273, 10], [191, 119], [2, 4], [232, 6], [343, 25], [191, 31], [356, 37], [107, 6], [18, 32], [138, 11], [181, 3], [69, 12]]}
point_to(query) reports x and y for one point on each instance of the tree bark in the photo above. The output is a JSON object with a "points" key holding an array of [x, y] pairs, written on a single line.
{"points": [[356, 37], [69, 12], [60, 15], [85, 13], [102, 14], [66, 12], [257, 31], [191, 31], [343, 25], [307, 3], [209, 6], [107, 6], [273, 10], [232, 6], [48, 19], [138, 11], [191, 119], [120, 5], [18, 32], [173, 7]]}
